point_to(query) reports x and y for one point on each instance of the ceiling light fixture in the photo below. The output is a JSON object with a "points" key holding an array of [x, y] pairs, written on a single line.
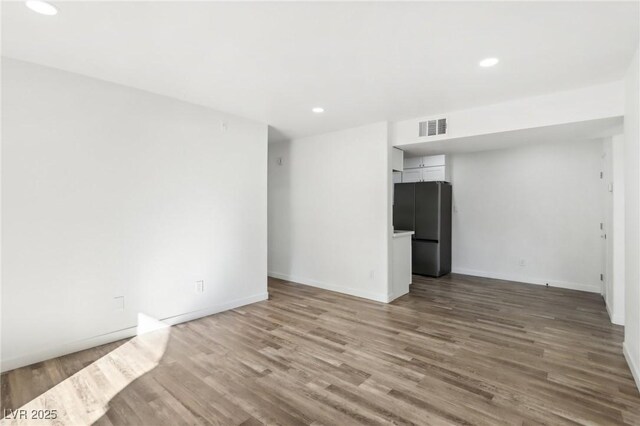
{"points": [[488, 62], [42, 7], [318, 110]]}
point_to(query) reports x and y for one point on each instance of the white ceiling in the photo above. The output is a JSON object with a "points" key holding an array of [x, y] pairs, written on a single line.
{"points": [[568, 132], [363, 61]]}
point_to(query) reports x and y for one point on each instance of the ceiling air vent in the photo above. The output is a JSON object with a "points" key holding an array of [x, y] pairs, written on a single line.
{"points": [[422, 128], [432, 127]]}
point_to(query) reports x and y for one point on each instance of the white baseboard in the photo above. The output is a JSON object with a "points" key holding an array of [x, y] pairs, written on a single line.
{"points": [[528, 280], [378, 297], [615, 319], [632, 364], [65, 349], [91, 342], [392, 296], [190, 316]]}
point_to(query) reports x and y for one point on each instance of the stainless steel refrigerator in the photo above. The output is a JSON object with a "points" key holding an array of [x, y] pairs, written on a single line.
{"points": [[425, 208]]}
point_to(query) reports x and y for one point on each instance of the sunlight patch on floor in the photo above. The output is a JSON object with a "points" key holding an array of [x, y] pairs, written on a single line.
{"points": [[84, 397]]}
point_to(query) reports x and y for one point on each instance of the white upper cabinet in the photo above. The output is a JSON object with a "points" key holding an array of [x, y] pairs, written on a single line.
{"points": [[433, 160], [424, 174], [425, 169], [436, 173], [411, 175], [412, 163], [397, 159], [428, 161]]}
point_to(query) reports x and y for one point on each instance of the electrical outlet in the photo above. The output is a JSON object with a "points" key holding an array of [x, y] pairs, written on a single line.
{"points": [[118, 303], [372, 274], [200, 286], [224, 126], [522, 262]]}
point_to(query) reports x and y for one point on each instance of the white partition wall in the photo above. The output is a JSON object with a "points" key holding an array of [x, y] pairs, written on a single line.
{"points": [[329, 211]]}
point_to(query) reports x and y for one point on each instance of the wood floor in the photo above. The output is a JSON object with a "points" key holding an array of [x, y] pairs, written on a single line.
{"points": [[456, 350]]}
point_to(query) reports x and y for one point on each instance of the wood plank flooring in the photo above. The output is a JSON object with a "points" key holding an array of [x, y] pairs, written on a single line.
{"points": [[456, 350]]}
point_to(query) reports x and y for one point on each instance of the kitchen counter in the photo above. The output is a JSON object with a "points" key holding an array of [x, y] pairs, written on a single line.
{"points": [[398, 233], [401, 253]]}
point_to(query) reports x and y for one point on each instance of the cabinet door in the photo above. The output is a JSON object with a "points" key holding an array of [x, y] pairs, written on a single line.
{"points": [[412, 163], [432, 174], [411, 175], [433, 160]]}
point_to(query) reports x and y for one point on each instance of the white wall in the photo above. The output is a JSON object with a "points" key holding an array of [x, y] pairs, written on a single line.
{"points": [[572, 106], [329, 222], [109, 191], [614, 227], [538, 203], [632, 218]]}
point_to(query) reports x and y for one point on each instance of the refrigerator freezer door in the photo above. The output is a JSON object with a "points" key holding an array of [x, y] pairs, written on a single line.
{"points": [[403, 206], [425, 258], [427, 208]]}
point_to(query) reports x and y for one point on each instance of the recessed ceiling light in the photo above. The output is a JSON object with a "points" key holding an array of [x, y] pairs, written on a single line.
{"points": [[42, 7], [318, 110], [488, 62]]}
